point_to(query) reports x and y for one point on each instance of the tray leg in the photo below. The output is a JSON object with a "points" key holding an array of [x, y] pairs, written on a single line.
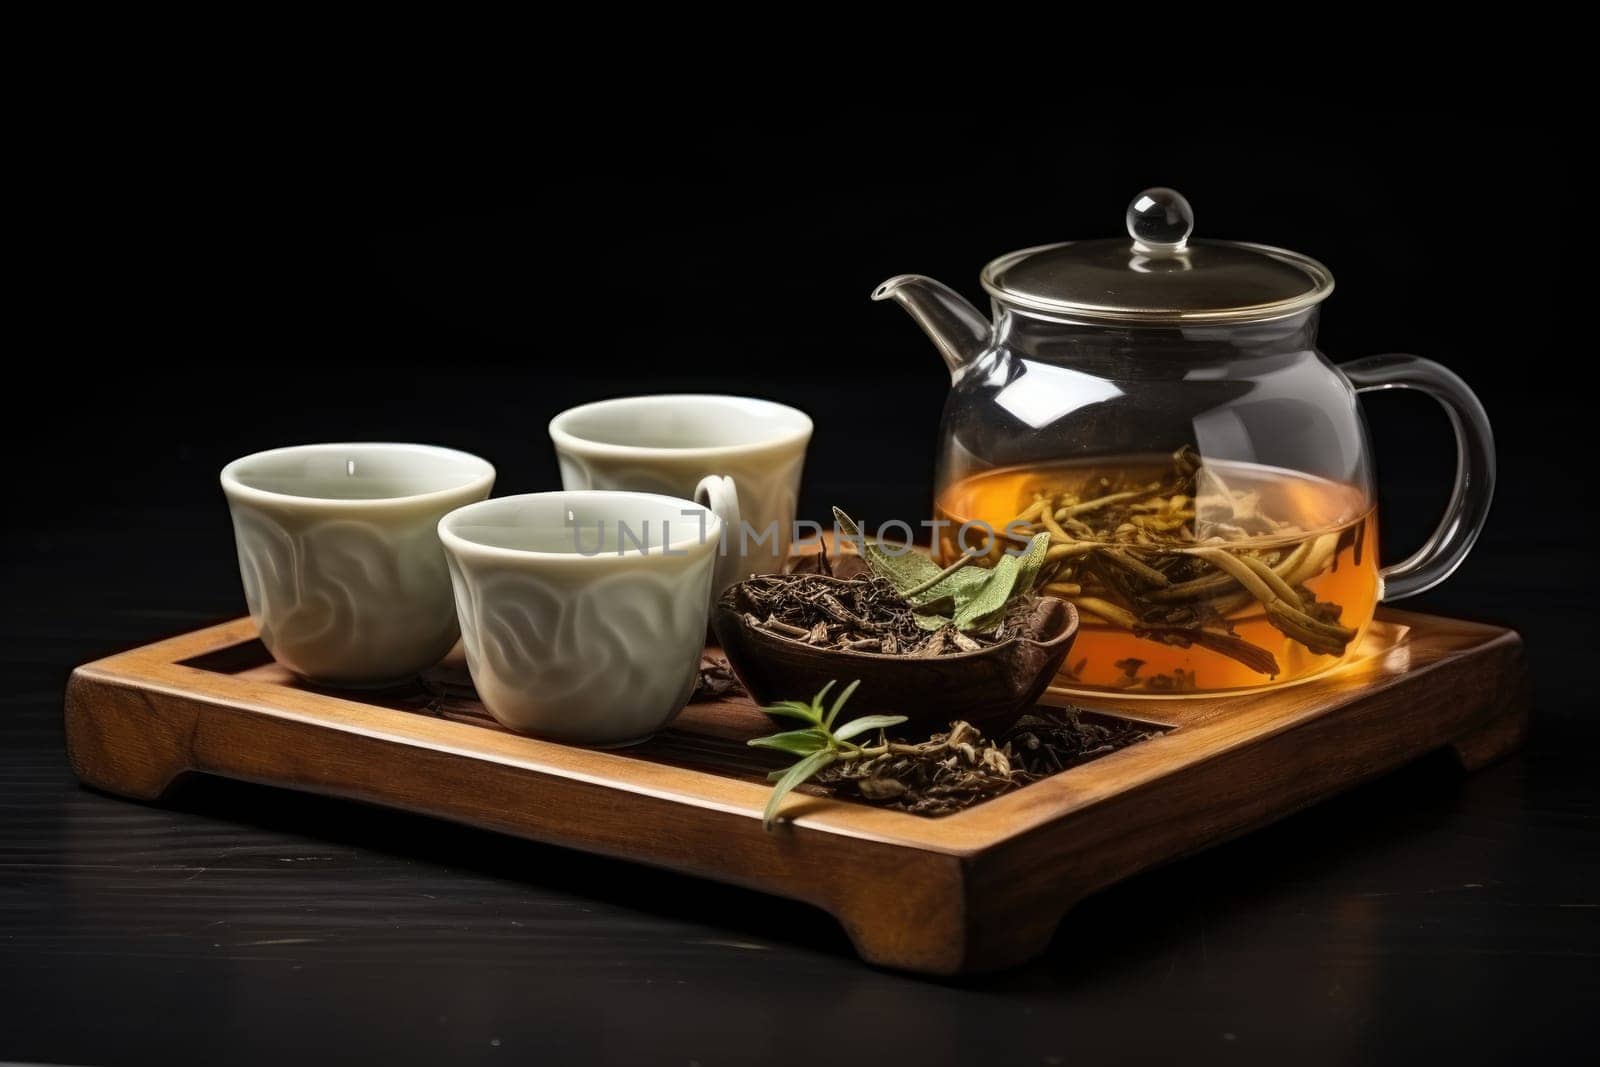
{"points": [[943, 932], [1495, 739], [121, 741]]}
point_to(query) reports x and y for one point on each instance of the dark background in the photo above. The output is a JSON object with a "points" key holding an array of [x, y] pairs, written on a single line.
{"points": [[344, 284]]}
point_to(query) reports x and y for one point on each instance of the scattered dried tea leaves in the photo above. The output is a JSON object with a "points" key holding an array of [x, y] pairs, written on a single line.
{"points": [[715, 681], [958, 768], [1048, 740], [949, 771]]}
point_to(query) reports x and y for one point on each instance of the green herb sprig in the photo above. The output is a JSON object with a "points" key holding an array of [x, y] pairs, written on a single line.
{"points": [[819, 743]]}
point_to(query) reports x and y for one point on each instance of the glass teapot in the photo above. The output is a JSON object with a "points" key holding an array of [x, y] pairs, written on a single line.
{"points": [[1158, 406]]}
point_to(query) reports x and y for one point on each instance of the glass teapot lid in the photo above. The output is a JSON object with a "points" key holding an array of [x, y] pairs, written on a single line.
{"points": [[1158, 276]]}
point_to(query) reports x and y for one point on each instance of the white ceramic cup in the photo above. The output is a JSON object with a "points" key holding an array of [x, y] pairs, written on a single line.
{"points": [[340, 555], [583, 614], [670, 443]]}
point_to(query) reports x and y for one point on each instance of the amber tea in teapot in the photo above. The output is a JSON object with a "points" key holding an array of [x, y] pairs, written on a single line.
{"points": [[1188, 575], [1158, 405]]}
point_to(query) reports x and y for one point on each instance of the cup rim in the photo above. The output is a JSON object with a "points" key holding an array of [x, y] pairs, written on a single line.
{"points": [[480, 479], [462, 545], [565, 438]]}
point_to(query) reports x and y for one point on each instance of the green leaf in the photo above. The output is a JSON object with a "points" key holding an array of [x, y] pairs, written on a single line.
{"points": [[794, 709], [791, 778], [838, 703], [931, 622], [905, 569], [1031, 561], [847, 524], [797, 742], [990, 599], [866, 724], [962, 583]]}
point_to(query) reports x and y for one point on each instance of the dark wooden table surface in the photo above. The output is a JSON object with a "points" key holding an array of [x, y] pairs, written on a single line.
{"points": [[1425, 914]]}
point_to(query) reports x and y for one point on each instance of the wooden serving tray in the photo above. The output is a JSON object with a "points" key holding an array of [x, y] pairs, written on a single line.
{"points": [[977, 890]]}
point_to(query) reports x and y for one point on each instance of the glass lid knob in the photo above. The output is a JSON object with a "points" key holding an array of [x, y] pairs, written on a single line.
{"points": [[1160, 221]]}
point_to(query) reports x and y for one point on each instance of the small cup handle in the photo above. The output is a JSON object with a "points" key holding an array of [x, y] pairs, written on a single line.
{"points": [[718, 493], [1464, 516]]}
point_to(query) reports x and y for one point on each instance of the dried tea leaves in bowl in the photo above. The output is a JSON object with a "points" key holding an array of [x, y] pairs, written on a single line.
{"points": [[869, 615], [898, 602]]}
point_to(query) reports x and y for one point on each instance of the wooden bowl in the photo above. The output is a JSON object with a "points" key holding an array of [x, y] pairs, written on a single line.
{"points": [[987, 684]]}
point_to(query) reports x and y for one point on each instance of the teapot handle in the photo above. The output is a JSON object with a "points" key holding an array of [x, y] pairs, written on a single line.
{"points": [[1464, 516]]}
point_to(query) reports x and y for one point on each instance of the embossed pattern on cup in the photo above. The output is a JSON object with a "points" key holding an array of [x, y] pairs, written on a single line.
{"points": [[597, 649], [667, 443], [340, 556]]}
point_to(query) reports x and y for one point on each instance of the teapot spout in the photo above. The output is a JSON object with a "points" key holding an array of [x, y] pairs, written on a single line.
{"points": [[958, 329]]}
